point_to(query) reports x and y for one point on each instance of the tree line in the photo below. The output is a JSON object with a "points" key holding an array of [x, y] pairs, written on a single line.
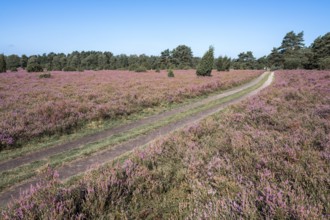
{"points": [[179, 58], [291, 54]]}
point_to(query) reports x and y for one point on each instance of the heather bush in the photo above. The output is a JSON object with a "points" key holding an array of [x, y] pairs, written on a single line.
{"points": [[266, 158]]}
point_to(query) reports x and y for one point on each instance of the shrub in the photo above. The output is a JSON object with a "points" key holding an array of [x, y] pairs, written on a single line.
{"points": [[49, 67], [133, 67], [170, 73], [324, 63], [223, 63], [34, 67], [13, 69], [292, 63], [157, 70], [45, 75], [141, 69], [206, 64], [69, 69]]}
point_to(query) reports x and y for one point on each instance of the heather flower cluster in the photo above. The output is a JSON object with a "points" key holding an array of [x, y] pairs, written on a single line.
{"points": [[266, 158], [31, 107]]}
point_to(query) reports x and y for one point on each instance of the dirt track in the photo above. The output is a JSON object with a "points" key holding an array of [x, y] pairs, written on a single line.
{"points": [[84, 164]]}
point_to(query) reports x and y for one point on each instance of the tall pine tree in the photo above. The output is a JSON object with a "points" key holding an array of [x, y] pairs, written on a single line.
{"points": [[321, 52], [292, 42]]}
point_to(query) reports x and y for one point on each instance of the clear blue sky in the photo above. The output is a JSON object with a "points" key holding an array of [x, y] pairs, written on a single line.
{"points": [[150, 26]]}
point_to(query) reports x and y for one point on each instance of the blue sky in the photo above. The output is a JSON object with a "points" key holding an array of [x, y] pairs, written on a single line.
{"points": [[151, 26]]}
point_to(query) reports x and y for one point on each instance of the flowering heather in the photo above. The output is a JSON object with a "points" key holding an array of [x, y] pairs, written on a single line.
{"points": [[31, 106], [267, 158]]}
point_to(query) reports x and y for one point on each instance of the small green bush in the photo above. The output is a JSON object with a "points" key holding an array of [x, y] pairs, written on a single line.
{"points": [[141, 69], [170, 73], [69, 69], [45, 75]]}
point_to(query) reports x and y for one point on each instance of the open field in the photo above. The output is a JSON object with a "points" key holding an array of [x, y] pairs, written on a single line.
{"points": [[31, 107], [265, 158], [165, 110], [86, 150]]}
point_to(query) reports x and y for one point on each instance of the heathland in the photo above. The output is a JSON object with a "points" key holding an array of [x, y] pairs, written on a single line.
{"points": [[159, 102], [267, 157], [33, 107], [167, 137]]}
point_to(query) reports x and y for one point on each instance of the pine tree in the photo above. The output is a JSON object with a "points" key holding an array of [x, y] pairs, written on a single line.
{"points": [[206, 64], [292, 42], [275, 59], [321, 52]]}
